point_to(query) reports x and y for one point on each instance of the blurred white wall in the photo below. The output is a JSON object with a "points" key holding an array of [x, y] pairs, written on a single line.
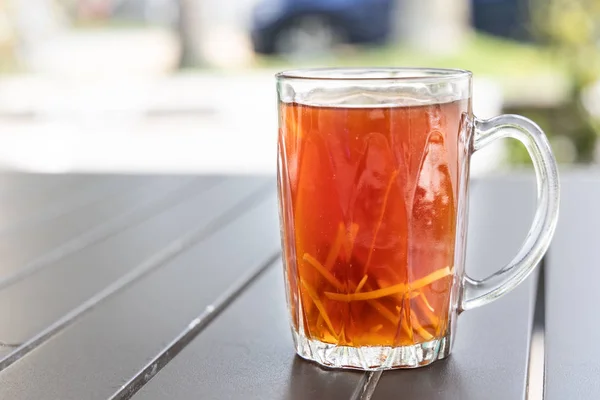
{"points": [[228, 125]]}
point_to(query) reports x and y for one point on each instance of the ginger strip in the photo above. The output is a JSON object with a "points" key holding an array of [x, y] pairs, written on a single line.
{"points": [[427, 310], [424, 298], [334, 251], [361, 283], [403, 322], [342, 337], [313, 296], [372, 295], [429, 279], [319, 319], [419, 329], [400, 288], [344, 240], [323, 271], [384, 312], [380, 220]]}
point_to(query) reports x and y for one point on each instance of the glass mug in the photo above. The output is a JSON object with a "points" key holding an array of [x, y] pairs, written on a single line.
{"points": [[373, 169]]}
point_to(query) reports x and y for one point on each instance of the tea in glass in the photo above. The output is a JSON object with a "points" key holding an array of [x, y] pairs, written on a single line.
{"points": [[372, 177], [372, 194]]}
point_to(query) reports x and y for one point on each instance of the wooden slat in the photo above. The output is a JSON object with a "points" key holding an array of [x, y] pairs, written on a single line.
{"points": [[32, 304], [95, 355], [489, 359], [572, 294], [21, 210], [24, 244], [247, 353], [15, 183], [18, 206], [168, 193], [73, 198]]}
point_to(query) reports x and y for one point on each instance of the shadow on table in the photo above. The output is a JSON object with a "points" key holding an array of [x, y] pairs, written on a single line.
{"points": [[309, 381], [441, 379]]}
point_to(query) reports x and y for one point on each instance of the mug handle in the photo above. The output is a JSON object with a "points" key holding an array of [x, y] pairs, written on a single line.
{"points": [[477, 293]]}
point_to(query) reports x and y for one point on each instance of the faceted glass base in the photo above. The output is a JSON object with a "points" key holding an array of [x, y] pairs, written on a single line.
{"points": [[371, 358]]}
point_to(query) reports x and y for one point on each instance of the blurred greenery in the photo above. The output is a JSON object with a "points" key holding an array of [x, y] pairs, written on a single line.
{"points": [[571, 30], [482, 54]]}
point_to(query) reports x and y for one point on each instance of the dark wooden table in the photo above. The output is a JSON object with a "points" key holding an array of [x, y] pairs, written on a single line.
{"points": [[170, 287]]}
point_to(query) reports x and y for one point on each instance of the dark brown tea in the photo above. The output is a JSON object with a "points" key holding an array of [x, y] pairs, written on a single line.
{"points": [[369, 209]]}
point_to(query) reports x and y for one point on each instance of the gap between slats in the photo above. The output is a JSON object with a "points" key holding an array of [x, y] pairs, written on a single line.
{"points": [[103, 231], [536, 367], [193, 329], [367, 386], [51, 202], [72, 203], [157, 260]]}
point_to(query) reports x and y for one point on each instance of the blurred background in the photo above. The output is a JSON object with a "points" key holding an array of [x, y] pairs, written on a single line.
{"points": [[187, 85]]}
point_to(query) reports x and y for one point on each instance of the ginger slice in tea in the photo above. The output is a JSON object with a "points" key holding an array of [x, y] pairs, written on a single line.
{"points": [[361, 283], [334, 251], [380, 220], [432, 277], [342, 336], [323, 271], [426, 309], [344, 239], [426, 302], [384, 311], [424, 305], [313, 296], [371, 295], [403, 321], [391, 290], [419, 328], [389, 315]]}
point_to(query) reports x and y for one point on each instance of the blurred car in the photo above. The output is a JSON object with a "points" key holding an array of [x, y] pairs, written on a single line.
{"points": [[504, 18], [290, 27]]}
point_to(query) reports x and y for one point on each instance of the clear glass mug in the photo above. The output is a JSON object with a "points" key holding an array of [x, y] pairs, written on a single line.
{"points": [[373, 170]]}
